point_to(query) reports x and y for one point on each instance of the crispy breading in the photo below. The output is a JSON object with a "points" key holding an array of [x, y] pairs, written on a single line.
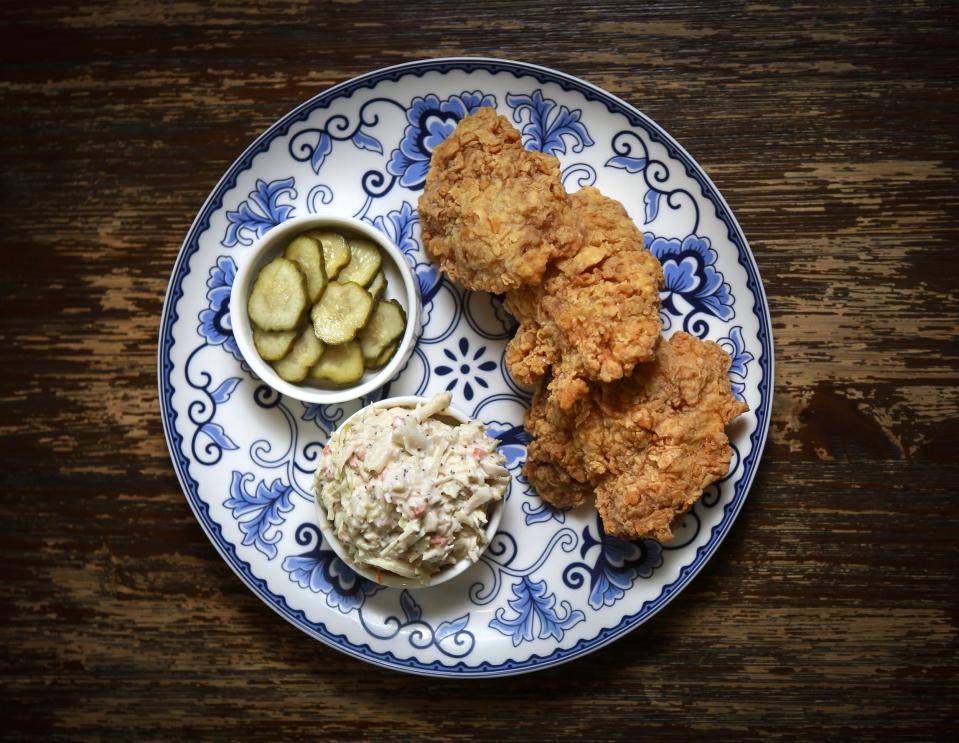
{"points": [[493, 214], [596, 315], [648, 444], [618, 417], [553, 465]]}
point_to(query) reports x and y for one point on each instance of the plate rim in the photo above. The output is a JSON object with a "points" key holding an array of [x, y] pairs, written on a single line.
{"points": [[363, 651]]}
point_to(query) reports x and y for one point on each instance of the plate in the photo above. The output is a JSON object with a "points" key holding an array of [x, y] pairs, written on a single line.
{"points": [[552, 586]]}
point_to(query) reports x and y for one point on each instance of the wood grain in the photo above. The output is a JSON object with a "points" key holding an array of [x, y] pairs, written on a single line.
{"points": [[832, 608]]}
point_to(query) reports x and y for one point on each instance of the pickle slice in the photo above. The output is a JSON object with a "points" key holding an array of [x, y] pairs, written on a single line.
{"points": [[386, 324], [342, 364], [273, 345], [342, 310], [365, 261], [305, 352], [306, 253], [278, 298], [382, 358], [377, 286], [336, 253]]}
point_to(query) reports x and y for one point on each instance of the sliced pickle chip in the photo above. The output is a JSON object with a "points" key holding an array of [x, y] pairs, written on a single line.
{"points": [[336, 253], [278, 298], [273, 345], [306, 253], [342, 310], [305, 352], [381, 360], [365, 261], [386, 324], [377, 286], [342, 364]]}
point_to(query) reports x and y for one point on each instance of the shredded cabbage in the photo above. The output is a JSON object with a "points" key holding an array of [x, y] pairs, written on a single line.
{"points": [[407, 492]]}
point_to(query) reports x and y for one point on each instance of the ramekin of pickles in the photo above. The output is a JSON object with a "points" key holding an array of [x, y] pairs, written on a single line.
{"points": [[325, 309]]}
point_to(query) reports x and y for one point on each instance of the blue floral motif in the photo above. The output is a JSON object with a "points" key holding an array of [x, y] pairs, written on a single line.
{"points": [[689, 271], [618, 564], [363, 141], [224, 390], [218, 436], [631, 154], [536, 614], [321, 571], [450, 637], [578, 174], [324, 147], [512, 441], [315, 144], [465, 368], [452, 629], [627, 163], [325, 415], [429, 280], [638, 163], [209, 439], [546, 125], [322, 192], [259, 513], [265, 213], [214, 431], [215, 325], [430, 122], [651, 200], [398, 226], [735, 346]]}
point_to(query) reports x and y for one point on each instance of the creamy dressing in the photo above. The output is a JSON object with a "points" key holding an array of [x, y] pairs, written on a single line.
{"points": [[408, 493]]}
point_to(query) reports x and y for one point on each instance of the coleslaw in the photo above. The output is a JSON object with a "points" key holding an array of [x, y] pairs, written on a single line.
{"points": [[407, 492]]}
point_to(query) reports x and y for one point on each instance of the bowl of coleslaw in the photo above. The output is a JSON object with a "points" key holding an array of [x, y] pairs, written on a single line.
{"points": [[410, 491]]}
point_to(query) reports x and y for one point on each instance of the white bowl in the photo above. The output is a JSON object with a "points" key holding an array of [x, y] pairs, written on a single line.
{"points": [[392, 580], [401, 286]]}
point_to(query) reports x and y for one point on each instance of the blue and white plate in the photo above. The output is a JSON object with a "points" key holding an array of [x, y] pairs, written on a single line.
{"points": [[552, 587]]}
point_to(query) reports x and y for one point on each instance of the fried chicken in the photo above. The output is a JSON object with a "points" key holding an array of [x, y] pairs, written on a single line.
{"points": [[493, 214], [648, 444], [553, 465], [583, 285], [618, 416], [596, 315]]}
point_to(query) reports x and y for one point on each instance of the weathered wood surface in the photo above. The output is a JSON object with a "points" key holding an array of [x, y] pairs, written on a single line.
{"points": [[832, 607]]}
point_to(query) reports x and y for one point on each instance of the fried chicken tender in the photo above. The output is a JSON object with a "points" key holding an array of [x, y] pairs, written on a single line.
{"points": [[493, 214], [648, 444], [596, 315], [553, 465]]}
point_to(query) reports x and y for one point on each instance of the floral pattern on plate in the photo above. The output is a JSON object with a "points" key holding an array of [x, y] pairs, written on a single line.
{"points": [[552, 585]]}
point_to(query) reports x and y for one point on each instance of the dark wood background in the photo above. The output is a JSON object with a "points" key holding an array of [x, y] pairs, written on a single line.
{"points": [[832, 607]]}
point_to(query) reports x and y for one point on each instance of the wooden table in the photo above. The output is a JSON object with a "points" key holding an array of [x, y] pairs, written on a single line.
{"points": [[830, 610]]}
